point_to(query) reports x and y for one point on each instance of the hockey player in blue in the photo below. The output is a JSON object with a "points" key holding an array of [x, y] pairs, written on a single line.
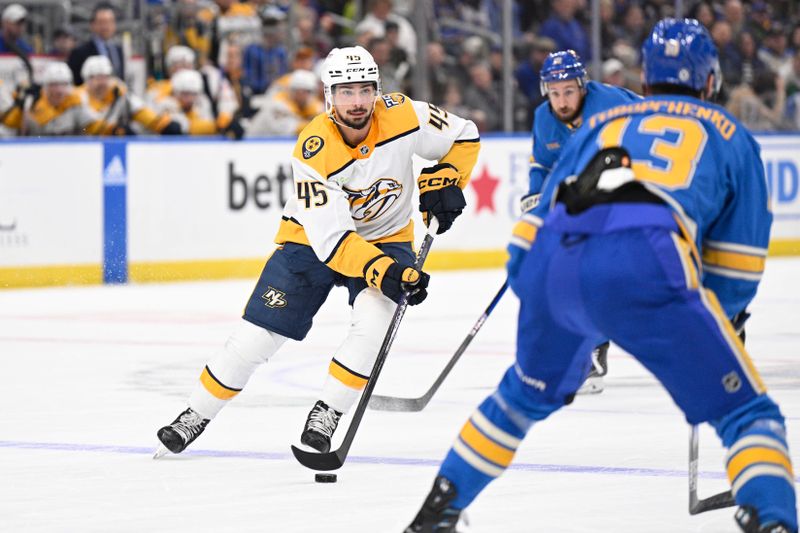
{"points": [[570, 97], [653, 232]]}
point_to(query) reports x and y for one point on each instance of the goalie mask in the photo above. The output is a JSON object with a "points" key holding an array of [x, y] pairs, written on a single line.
{"points": [[346, 66]]}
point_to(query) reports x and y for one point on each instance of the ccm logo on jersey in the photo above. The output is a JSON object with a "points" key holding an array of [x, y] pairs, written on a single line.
{"points": [[370, 203], [274, 298], [311, 146]]}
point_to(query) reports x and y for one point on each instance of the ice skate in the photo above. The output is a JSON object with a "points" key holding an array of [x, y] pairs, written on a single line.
{"points": [[436, 516], [320, 425], [181, 433], [594, 382], [747, 518]]}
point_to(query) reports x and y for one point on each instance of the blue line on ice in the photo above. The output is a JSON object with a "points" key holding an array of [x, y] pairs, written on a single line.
{"points": [[273, 456]]}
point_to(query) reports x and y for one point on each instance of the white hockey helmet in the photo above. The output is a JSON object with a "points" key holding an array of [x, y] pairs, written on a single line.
{"points": [[56, 72], [186, 81], [180, 54], [352, 64], [96, 66], [304, 80]]}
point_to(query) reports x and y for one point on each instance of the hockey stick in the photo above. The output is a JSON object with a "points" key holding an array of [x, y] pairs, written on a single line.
{"points": [[696, 505], [335, 459], [390, 403]]}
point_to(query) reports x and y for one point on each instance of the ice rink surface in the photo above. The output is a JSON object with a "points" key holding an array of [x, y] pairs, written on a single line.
{"points": [[90, 373]]}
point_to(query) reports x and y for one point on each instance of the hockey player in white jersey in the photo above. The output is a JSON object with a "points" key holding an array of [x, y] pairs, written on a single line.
{"points": [[349, 223]]}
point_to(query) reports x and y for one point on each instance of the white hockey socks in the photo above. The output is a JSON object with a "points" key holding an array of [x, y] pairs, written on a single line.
{"points": [[353, 361], [227, 372]]}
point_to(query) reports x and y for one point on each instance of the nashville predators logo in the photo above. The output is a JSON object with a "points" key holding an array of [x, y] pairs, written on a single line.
{"points": [[370, 203], [274, 298], [311, 146]]}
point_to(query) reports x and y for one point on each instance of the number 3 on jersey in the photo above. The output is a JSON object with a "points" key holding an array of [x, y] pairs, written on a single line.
{"points": [[676, 146], [312, 193]]}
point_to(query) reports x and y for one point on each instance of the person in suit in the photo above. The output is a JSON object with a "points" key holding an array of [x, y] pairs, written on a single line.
{"points": [[103, 26]]}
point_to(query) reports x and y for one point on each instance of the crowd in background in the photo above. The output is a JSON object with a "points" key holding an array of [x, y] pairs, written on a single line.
{"points": [[250, 68]]}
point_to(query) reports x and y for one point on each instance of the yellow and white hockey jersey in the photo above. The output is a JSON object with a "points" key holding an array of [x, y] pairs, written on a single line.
{"points": [[348, 197]]}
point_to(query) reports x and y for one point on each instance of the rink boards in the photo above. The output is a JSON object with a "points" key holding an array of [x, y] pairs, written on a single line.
{"points": [[86, 211]]}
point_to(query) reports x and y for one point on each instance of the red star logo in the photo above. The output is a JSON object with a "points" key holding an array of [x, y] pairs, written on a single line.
{"points": [[485, 185]]}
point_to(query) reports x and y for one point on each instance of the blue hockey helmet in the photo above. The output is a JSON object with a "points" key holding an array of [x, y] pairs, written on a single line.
{"points": [[680, 52], [560, 66]]}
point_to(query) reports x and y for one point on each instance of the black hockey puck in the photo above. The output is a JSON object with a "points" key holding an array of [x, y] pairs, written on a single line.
{"points": [[325, 478]]}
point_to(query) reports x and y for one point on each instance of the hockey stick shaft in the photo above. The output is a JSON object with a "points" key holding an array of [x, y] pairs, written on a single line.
{"points": [[697, 505], [335, 459], [391, 403]]}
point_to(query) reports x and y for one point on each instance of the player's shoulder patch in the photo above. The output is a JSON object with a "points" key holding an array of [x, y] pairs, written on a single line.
{"points": [[311, 146], [393, 100]]}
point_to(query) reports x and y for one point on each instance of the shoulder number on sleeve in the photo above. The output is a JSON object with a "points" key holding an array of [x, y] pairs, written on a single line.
{"points": [[312, 194], [437, 117]]}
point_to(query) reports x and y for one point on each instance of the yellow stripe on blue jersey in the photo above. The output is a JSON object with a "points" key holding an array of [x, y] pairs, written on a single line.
{"points": [[758, 455], [734, 260], [347, 377], [215, 387], [687, 262], [711, 303]]}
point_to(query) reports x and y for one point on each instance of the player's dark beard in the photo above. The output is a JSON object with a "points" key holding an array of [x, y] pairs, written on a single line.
{"points": [[356, 124]]}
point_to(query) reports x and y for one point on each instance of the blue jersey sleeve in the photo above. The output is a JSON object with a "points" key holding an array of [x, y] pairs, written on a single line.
{"points": [[734, 247], [542, 159]]}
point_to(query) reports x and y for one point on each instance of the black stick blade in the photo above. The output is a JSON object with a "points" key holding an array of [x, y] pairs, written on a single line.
{"points": [[712, 503], [318, 461]]}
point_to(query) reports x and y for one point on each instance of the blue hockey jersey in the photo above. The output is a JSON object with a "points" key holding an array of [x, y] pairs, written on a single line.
{"points": [[550, 134], [705, 165]]}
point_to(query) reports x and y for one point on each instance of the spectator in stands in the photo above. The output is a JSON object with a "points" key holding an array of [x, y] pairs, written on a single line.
{"points": [[483, 95], [306, 33], [792, 77], [392, 79], [473, 50], [759, 20], [751, 65], [565, 30], [440, 72], [634, 29], [773, 52], [231, 65], [230, 19], [13, 28], [614, 72], [304, 59], [794, 39], [703, 12], [379, 13], [286, 113], [266, 61], [733, 13], [103, 26], [729, 59], [186, 28], [397, 55], [124, 113], [759, 107], [64, 43], [527, 73], [57, 110]]}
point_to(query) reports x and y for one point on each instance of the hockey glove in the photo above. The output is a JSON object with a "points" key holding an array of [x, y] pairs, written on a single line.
{"points": [[172, 128], [522, 237], [393, 279], [440, 196]]}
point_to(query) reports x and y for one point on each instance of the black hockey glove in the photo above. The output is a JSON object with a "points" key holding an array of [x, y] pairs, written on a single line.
{"points": [[392, 279], [172, 128], [738, 323], [440, 196]]}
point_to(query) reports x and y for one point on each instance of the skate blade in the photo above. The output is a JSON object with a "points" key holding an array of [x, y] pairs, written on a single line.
{"points": [[593, 385], [161, 451]]}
